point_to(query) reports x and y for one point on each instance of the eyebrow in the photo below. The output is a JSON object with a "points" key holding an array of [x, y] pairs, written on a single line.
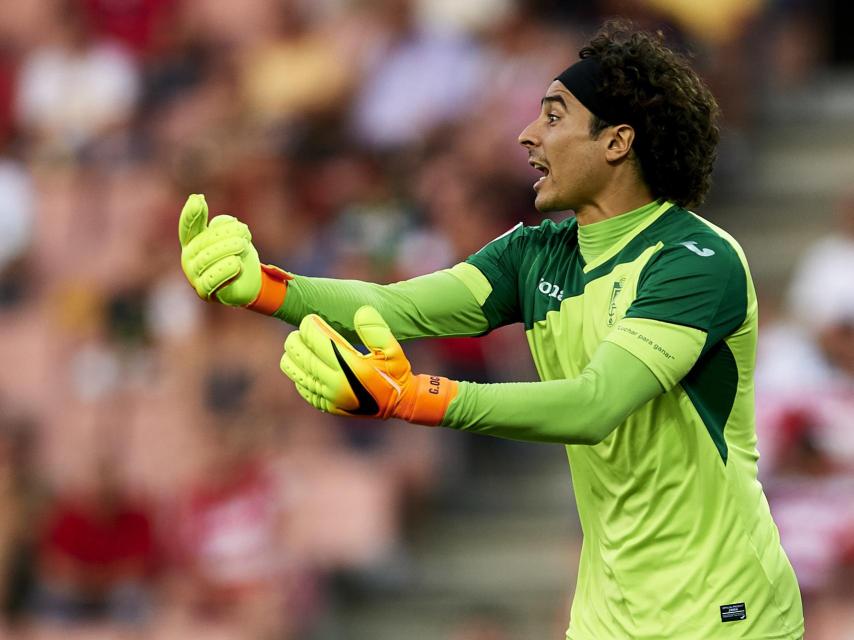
{"points": [[558, 99]]}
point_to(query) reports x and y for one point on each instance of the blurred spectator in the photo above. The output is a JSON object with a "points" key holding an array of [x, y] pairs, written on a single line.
{"points": [[474, 16], [421, 80], [296, 72], [230, 25], [23, 498], [229, 540], [805, 393], [75, 89], [17, 211], [523, 52], [795, 46], [97, 557], [814, 350], [714, 21], [822, 292], [816, 520], [8, 71], [139, 25]]}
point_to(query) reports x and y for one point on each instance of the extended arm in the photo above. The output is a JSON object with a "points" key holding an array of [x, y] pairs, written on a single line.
{"points": [[221, 263], [437, 304], [582, 410], [334, 377]]}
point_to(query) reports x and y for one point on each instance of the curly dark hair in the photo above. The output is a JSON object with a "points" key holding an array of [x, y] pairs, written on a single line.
{"points": [[675, 114]]}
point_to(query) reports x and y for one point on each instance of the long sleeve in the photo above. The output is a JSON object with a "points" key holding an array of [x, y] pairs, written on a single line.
{"points": [[582, 410], [437, 304]]}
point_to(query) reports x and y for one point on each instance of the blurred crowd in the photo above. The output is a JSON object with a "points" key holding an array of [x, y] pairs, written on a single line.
{"points": [[805, 422], [158, 476]]}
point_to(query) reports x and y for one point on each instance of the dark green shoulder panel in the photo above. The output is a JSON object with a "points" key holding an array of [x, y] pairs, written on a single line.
{"points": [[697, 279], [523, 260]]}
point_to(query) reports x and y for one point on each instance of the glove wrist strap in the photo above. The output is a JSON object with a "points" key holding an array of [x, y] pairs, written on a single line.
{"points": [[274, 287], [429, 400]]}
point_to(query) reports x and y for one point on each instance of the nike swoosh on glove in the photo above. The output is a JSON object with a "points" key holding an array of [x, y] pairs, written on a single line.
{"points": [[331, 375]]}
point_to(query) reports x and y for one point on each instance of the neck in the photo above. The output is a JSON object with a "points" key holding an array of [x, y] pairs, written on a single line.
{"points": [[613, 203]]}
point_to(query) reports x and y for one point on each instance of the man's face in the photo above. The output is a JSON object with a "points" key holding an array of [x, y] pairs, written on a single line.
{"points": [[559, 145]]}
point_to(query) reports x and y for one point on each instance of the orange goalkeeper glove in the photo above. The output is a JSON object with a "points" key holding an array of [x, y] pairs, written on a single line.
{"points": [[334, 377], [221, 263]]}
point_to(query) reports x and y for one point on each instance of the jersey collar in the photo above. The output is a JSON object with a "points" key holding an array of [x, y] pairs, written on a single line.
{"points": [[618, 234]]}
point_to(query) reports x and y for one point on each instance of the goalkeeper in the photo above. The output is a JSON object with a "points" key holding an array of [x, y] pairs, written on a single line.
{"points": [[642, 321]]}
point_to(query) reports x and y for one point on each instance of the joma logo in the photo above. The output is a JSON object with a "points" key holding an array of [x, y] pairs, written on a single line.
{"points": [[549, 289]]}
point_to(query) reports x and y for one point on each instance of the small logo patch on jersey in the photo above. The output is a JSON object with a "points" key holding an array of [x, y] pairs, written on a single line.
{"points": [[703, 253], [733, 612]]}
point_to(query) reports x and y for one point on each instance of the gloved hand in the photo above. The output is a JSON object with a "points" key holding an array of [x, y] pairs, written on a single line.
{"points": [[334, 377], [219, 260]]}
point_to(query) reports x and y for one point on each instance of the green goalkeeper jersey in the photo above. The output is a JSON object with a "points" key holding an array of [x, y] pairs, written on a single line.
{"points": [[678, 537], [655, 303]]}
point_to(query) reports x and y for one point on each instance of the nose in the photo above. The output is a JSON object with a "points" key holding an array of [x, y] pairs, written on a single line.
{"points": [[528, 136]]}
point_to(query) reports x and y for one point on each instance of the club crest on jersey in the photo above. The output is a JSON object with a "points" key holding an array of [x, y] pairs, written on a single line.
{"points": [[550, 290], [612, 303]]}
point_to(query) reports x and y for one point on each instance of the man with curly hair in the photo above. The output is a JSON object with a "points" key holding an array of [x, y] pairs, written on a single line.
{"points": [[642, 320]]}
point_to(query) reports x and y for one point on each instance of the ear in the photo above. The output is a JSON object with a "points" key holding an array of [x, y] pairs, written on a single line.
{"points": [[619, 139]]}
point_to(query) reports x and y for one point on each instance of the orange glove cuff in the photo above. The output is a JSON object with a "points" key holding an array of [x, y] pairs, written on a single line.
{"points": [[428, 401], [274, 287]]}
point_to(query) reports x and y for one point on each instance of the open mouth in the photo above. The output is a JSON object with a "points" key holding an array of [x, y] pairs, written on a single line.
{"points": [[539, 166]]}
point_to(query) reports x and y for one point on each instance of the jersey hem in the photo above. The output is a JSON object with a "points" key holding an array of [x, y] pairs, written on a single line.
{"points": [[796, 634]]}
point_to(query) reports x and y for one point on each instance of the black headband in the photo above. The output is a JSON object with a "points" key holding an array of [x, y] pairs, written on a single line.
{"points": [[584, 80]]}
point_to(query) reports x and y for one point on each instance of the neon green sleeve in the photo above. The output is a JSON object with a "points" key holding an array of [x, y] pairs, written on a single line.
{"points": [[583, 410], [669, 350], [444, 303]]}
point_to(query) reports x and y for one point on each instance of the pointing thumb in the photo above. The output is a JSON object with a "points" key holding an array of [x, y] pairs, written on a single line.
{"points": [[194, 218]]}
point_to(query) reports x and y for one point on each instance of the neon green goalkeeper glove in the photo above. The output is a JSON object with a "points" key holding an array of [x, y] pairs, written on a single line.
{"points": [[220, 261], [332, 376]]}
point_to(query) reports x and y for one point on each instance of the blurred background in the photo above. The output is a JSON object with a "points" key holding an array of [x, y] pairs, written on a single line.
{"points": [[159, 477]]}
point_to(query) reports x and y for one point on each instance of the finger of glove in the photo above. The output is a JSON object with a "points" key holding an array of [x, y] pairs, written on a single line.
{"points": [[312, 398], [211, 254], [217, 275], [318, 336], [229, 228], [321, 403], [301, 359], [224, 219], [194, 218], [304, 379], [302, 366], [375, 333], [303, 383]]}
